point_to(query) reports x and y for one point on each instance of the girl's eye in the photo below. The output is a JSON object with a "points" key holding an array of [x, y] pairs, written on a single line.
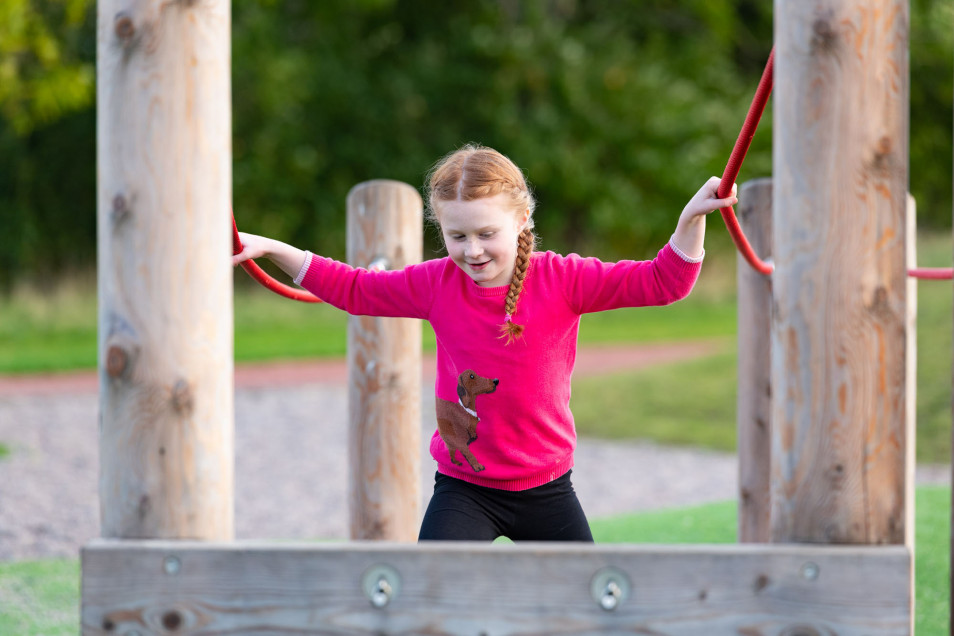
{"points": [[487, 235]]}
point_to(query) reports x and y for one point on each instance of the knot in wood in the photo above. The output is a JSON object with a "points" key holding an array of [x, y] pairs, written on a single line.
{"points": [[182, 399], [172, 620], [878, 305], [124, 27], [116, 361], [824, 36], [801, 630], [120, 208]]}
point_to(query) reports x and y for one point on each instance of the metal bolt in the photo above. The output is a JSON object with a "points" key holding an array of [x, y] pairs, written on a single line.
{"points": [[609, 588], [381, 584], [811, 571], [611, 595], [381, 595], [171, 565]]}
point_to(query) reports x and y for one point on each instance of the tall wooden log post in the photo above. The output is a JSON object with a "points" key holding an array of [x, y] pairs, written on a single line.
{"points": [[754, 406], [842, 338], [165, 278], [384, 362]]}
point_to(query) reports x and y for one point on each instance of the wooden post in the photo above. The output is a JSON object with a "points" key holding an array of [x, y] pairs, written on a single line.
{"points": [[165, 279], [841, 334], [384, 361], [754, 406]]}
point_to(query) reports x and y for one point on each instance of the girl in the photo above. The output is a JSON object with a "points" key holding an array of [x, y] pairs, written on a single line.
{"points": [[506, 321]]}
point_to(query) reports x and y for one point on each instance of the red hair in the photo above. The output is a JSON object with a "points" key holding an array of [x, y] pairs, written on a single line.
{"points": [[477, 172]]}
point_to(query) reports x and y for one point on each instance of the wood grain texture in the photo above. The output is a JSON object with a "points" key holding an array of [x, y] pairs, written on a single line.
{"points": [[839, 342], [385, 221], [459, 589], [754, 399], [165, 280]]}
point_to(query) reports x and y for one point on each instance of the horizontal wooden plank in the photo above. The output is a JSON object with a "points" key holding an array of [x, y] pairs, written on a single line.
{"points": [[197, 588]]}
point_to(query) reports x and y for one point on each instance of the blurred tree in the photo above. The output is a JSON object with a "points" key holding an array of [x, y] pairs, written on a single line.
{"points": [[617, 112], [47, 136]]}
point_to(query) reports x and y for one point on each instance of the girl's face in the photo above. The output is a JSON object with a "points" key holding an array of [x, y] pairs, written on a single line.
{"points": [[481, 237]]}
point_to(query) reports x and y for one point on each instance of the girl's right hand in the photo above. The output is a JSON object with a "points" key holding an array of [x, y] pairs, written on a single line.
{"points": [[288, 258], [253, 246]]}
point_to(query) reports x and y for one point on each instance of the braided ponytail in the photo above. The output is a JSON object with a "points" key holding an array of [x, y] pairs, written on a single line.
{"points": [[525, 243], [476, 172]]}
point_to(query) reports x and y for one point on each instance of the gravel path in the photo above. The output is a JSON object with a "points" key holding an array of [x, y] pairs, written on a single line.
{"points": [[290, 464]]}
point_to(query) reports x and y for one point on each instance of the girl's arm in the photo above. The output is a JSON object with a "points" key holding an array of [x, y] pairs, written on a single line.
{"points": [[691, 228], [407, 292], [288, 258]]}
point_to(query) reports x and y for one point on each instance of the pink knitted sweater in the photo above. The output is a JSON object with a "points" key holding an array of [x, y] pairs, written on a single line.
{"points": [[503, 411]]}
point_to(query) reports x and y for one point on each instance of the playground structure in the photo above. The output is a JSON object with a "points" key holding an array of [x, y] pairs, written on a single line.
{"points": [[825, 444]]}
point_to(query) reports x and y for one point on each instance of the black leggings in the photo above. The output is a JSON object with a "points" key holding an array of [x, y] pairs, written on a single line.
{"points": [[461, 511]]}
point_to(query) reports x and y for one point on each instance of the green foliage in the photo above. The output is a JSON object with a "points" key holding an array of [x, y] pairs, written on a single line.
{"points": [[46, 71], [616, 111], [47, 137]]}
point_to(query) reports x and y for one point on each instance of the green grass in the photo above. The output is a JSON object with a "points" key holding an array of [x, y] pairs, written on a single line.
{"points": [[694, 402], [686, 403], [4, 450], [42, 597], [716, 523], [689, 403], [55, 330]]}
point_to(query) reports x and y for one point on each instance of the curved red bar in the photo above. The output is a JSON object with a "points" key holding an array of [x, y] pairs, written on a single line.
{"points": [[932, 273], [735, 164], [266, 281]]}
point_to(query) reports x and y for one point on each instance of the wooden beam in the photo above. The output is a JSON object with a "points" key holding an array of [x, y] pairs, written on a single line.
{"points": [[840, 384], [493, 589], [385, 220], [165, 279], [754, 400]]}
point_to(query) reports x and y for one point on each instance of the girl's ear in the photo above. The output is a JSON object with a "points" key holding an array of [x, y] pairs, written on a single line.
{"points": [[523, 219]]}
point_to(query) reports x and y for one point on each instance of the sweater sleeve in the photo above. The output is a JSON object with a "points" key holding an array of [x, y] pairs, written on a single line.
{"points": [[592, 285], [403, 293]]}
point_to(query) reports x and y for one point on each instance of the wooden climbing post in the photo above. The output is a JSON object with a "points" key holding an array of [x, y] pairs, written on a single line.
{"points": [[384, 363], [842, 334], [754, 397], [165, 279]]}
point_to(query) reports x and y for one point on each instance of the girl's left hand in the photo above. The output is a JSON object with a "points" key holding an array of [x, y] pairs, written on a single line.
{"points": [[707, 200], [691, 228]]}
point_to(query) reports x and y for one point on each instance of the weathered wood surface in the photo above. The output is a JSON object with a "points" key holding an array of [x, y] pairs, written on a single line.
{"points": [[385, 220], [754, 397], [203, 588], [839, 341], [165, 279]]}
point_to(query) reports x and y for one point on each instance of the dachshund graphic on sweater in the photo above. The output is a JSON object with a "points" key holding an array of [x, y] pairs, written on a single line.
{"points": [[457, 423]]}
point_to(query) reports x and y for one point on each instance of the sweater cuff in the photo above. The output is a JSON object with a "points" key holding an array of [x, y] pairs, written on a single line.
{"points": [[683, 255], [304, 269]]}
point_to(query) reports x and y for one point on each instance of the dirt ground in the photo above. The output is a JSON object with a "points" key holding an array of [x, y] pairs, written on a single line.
{"points": [[291, 454]]}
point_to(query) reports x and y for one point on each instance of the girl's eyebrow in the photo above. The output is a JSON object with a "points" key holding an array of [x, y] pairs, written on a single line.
{"points": [[487, 228]]}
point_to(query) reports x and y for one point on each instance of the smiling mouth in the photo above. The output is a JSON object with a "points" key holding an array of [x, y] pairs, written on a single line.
{"points": [[478, 266]]}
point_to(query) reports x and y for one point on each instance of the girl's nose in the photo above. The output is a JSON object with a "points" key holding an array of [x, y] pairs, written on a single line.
{"points": [[472, 248]]}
